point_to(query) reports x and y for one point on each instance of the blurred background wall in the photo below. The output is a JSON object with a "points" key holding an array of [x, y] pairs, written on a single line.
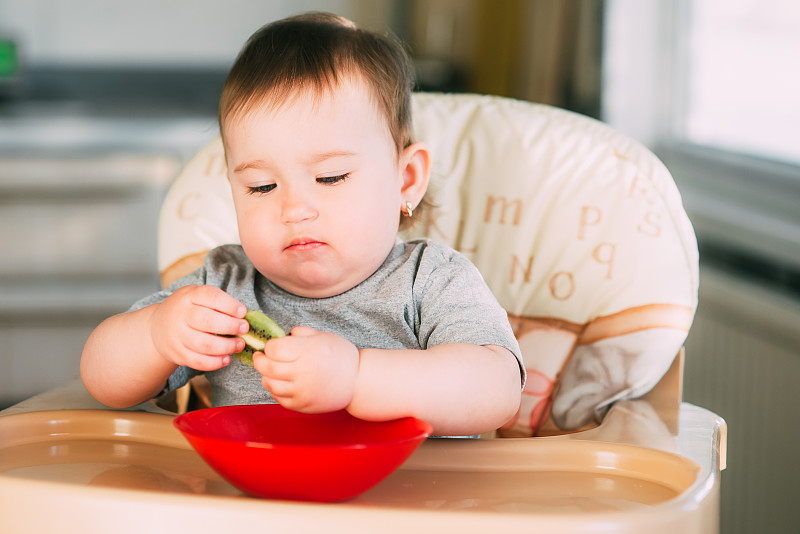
{"points": [[103, 101]]}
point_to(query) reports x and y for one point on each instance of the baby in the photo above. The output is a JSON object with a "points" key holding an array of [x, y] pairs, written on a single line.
{"points": [[315, 118]]}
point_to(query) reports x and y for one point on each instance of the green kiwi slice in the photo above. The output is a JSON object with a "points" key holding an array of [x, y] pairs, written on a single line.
{"points": [[262, 329]]}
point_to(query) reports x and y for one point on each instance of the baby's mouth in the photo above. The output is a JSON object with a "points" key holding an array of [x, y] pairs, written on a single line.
{"points": [[304, 243]]}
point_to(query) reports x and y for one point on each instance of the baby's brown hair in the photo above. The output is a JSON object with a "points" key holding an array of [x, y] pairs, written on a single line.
{"points": [[314, 51]]}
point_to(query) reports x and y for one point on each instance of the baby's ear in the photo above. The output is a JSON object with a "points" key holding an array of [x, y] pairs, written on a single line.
{"points": [[415, 168]]}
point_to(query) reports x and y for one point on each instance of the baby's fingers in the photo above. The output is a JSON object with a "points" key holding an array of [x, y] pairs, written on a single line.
{"points": [[272, 368], [284, 349], [213, 345], [204, 362], [280, 389], [204, 319], [216, 299], [285, 393]]}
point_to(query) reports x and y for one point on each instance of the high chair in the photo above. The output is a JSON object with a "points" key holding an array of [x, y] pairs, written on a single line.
{"points": [[580, 233]]}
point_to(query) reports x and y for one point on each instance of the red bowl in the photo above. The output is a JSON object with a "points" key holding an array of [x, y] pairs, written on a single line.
{"points": [[270, 451]]}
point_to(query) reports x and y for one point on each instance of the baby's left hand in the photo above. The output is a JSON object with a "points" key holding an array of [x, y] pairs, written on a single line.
{"points": [[309, 371]]}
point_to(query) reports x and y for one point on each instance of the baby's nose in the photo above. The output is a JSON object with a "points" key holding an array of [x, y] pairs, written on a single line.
{"points": [[297, 207]]}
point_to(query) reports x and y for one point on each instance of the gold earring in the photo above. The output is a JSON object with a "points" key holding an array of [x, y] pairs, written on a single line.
{"points": [[408, 212]]}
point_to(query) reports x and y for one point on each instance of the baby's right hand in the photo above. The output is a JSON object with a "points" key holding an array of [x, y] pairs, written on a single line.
{"points": [[189, 327]]}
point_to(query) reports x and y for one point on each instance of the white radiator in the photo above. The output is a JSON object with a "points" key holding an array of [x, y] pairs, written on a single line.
{"points": [[743, 363]]}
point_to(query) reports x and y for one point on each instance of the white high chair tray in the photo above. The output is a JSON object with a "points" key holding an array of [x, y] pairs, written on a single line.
{"points": [[102, 470]]}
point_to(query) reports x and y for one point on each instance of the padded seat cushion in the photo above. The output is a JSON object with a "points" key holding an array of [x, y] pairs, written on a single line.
{"points": [[579, 231]]}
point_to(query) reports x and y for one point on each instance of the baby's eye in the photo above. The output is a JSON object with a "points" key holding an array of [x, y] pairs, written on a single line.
{"points": [[260, 189], [331, 180]]}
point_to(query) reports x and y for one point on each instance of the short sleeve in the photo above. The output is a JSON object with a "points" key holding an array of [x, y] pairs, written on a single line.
{"points": [[456, 306]]}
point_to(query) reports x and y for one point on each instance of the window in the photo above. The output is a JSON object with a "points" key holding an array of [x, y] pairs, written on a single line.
{"points": [[711, 86], [743, 77]]}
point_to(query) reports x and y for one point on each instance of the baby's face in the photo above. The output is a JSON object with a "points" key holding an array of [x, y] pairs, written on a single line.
{"points": [[317, 190]]}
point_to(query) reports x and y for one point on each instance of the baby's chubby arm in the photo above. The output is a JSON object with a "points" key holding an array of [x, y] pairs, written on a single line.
{"points": [[460, 389], [128, 357]]}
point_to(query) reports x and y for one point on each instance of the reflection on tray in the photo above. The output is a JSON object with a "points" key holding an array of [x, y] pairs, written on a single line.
{"points": [[518, 492], [114, 463]]}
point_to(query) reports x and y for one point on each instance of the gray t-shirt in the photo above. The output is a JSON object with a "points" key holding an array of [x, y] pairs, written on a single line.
{"points": [[425, 294]]}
